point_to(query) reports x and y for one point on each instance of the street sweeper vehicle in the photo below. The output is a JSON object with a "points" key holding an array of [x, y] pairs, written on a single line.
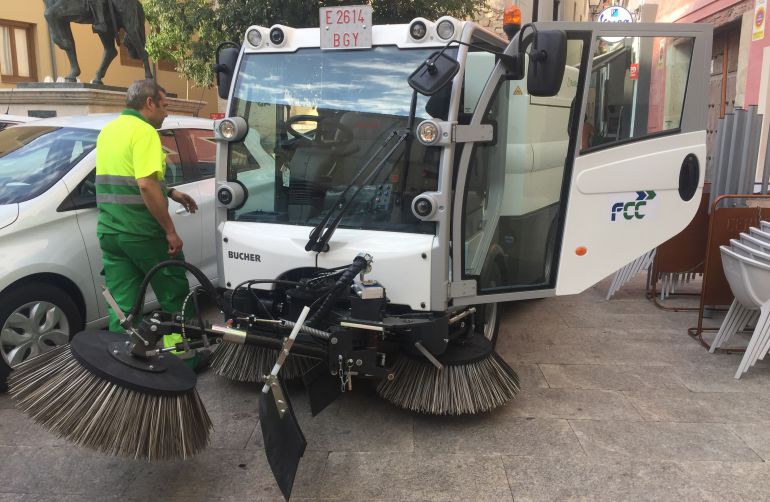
{"points": [[382, 190]]}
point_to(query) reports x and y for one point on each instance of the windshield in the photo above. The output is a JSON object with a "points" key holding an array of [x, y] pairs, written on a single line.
{"points": [[33, 158], [315, 117]]}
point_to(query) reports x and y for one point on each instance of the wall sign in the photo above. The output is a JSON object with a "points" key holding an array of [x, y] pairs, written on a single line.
{"points": [[760, 15], [615, 14]]}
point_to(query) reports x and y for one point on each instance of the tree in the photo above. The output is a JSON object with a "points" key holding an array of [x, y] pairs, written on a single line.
{"points": [[188, 31]]}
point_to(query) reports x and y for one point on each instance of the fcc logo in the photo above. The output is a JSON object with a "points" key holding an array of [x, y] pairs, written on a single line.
{"points": [[632, 210]]}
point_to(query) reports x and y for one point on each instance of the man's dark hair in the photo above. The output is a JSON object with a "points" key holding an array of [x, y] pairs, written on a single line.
{"points": [[139, 91]]}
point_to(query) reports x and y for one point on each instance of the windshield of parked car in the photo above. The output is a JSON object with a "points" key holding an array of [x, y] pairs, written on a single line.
{"points": [[315, 117], [33, 158]]}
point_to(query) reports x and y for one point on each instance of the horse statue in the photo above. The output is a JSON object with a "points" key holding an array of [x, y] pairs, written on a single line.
{"points": [[107, 18]]}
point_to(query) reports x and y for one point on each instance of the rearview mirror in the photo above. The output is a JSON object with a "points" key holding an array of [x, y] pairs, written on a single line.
{"points": [[436, 72], [547, 58], [224, 69]]}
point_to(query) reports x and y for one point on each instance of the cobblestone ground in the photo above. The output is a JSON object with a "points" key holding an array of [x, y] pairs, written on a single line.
{"points": [[618, 403]]}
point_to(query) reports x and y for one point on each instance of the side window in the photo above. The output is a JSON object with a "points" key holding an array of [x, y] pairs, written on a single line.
{"points": [[86, 190], [202, 151], [637, 88], [170, 146]]}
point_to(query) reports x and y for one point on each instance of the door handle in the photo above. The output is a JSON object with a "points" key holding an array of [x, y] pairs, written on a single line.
{"points": [[181, 210]]}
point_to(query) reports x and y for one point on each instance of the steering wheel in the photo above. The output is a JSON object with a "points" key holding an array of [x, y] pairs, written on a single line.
{"points": [[342, 133]]}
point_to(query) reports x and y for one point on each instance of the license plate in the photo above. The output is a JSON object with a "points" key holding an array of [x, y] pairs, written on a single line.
{"points": [[348, 27]]}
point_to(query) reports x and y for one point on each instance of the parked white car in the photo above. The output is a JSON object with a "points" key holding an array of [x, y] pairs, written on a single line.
{"points": [[12, 120], [50, 260]]}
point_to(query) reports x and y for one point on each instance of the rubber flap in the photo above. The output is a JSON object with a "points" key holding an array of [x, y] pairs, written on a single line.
{"points": [[284, 442]]}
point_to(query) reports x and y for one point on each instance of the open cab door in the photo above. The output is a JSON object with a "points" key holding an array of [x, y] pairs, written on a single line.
{"points": [[578, 183]]}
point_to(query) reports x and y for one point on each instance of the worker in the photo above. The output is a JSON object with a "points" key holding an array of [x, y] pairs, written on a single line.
{"points": [[134, 228]]}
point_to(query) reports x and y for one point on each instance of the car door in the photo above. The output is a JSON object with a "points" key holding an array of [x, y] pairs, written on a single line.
{"points": [[581, 183], [198, 158], [83, 199], [179, 176]]}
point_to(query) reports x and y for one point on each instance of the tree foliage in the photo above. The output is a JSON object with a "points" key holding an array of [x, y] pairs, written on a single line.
{"points": [[187, 32]]}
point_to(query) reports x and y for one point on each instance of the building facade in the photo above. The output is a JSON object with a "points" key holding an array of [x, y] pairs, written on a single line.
{"points": [[27, 54]]}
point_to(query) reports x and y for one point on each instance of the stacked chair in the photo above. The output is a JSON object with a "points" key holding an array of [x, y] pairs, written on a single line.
{"points": [[746, 264]]}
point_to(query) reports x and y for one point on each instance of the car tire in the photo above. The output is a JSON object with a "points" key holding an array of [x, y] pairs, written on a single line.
{"points": [[34, 318], [487, 318]]}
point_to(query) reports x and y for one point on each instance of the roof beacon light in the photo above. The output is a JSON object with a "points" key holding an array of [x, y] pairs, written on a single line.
{"points": [[445, 29], [511, 20], [254, 36], [418, 30]]}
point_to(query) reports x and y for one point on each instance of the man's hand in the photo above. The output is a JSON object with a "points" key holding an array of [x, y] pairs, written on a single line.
{"points": [[184, 199], [174, 244]]}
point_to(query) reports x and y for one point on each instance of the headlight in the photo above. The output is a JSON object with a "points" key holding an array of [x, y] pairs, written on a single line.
{"points": [[418, 30], [277, 36], [428, 133], [445, 29], [231, 129], [254, 36], [227, 129]]}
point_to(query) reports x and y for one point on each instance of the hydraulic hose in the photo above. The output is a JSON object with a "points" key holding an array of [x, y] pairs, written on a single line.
{"points": [[343, 283], [195, 271]]}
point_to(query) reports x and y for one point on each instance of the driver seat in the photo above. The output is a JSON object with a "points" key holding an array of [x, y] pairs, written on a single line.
{"points": [[309, 168]]}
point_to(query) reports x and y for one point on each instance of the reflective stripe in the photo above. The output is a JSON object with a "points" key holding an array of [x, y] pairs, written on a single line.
{"points": [[118, 199], [113, 179]]}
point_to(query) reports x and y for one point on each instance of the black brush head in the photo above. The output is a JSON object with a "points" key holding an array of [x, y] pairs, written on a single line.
{"points": [[474, 379], [473, 349], [105, 354]]}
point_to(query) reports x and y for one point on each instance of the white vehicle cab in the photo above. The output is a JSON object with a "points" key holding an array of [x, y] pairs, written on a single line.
{"points": [[50, 261]]}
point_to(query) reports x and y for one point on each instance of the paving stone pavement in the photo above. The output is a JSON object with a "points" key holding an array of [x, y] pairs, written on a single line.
{"points": [[617, 403]]}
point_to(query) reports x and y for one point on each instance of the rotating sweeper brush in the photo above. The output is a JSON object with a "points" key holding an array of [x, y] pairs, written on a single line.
{"points": [[118, 393]]}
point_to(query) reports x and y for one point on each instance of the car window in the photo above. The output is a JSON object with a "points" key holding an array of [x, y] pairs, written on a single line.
{"points": [[85, 193], [202, 152], [33, 158], [174, 174]]}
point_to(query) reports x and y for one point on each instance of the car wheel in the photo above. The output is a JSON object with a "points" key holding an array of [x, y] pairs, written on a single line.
{"points": [[487, 318], [488, 321], [34, 318]]}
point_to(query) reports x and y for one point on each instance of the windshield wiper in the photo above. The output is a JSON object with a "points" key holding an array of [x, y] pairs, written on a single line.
{"points": [[320, 243]]}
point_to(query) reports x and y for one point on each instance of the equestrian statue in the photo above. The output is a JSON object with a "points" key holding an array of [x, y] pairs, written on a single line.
{"points": [[108, 18]]}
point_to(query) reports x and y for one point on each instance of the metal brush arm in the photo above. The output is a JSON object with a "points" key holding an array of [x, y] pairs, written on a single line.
{"points": [[245, 338]]}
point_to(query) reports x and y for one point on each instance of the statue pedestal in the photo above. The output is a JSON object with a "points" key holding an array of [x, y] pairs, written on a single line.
{"points": [[65, 98]]}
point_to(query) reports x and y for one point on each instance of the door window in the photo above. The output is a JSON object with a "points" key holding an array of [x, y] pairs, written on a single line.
{"points": [[513, 196], [637, 89], [201, 152], [174, 173]]}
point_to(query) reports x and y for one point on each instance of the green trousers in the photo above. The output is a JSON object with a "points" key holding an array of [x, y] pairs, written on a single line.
{"points": [[127, 259]]}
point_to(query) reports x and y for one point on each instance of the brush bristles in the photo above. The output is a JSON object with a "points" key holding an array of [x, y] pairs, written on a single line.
{"points": [[250, 363], [456, 390], [65, 398]]}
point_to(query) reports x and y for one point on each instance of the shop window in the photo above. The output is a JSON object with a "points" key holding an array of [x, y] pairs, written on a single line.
{"points": [[17, 52]]}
